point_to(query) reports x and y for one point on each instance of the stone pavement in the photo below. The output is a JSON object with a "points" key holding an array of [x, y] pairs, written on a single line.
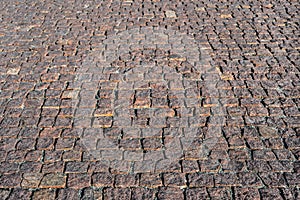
{"points": [[149, 99]]}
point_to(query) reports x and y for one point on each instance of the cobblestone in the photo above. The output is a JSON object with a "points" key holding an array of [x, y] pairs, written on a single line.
{"points": [[139, 99]]}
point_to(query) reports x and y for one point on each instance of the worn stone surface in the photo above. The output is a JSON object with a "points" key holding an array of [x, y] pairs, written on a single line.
{"points": [[136, 99]]}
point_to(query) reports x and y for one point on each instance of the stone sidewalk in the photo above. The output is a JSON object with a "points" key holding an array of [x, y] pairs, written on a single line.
{"points": [[149, 99]]}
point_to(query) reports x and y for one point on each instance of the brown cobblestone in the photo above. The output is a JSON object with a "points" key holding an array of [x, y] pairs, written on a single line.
{"points": [[4, 193], [170, 193], [20, 194], [78, 180], [142, 193], [245, 193], [117, 193], [200, 179], [31, 180], [150, 180], [196, 193], [44, 194], [102, 179], [67, 194], [53, 180], [11, 180]]}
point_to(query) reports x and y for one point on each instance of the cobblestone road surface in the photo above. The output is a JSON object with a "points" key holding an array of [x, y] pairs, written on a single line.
{"points": [[149, 99]]}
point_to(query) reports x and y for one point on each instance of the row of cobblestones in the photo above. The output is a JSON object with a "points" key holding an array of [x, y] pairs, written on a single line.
{"points": [[160, 193], [76, 177]]}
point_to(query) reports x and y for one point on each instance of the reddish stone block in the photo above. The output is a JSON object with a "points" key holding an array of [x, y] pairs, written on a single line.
{"points": [[102, 122], [126, 180], [68, 193], [76, 167], [168, 165], [53, 167], [117, 193], [270, 193], [290, 193], [18, 193], [190, 166], [119, 166], [9, 132], [44, 194], [15, 156], [219, 193], [233, 166], [64, 143], [102, 179], [30, 167], [152, 143], [31, 180], [283, 154], [237, 154], [255, 143], [226, 179], [33, 155], [165, 193], [274, 143], [209, 165], [296, 167], [7, 167], [82, 122], [142, 193], [79, 181], [281, 166], [45, 143], [293, 179], [273, 179], [150, 180], [249, 179], [7, 144], [53, 180], [98, 166], [25, 144], [10, 122], [72, 155], [263, 155], [90, 193], [10, 180], [4, 193], [174, 179], [246, 193], [200, 179], [196, 193], [52, 156], [130, 144], [292, 142], [219, 154], [46, 122], [63, 122]]}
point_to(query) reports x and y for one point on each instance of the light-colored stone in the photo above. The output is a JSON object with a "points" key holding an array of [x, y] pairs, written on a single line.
{"points": [[13, 71], [200, 9], [70, 94], [246, 6], [269, 5], [171, 14], [227, 16]]}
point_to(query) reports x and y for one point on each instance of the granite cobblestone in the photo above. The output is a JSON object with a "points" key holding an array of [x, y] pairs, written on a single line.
{"points": [[70, 130]]}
